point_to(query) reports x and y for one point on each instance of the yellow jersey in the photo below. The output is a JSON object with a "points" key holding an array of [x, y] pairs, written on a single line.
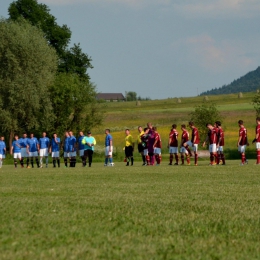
{"points": [[129, 140], [139, 137]]}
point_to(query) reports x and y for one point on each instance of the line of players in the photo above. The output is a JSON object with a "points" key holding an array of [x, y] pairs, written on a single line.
{"points": [[149, 144], [26, 149]]}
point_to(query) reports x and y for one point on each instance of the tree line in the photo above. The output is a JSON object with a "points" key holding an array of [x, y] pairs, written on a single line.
{"points": [[44, 84]]}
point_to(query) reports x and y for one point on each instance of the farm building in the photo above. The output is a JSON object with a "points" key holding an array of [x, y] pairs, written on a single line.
{"points": [[111, 96]]}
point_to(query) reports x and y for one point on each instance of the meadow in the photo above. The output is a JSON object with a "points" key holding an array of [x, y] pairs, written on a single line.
{"points": [[165, 212]]}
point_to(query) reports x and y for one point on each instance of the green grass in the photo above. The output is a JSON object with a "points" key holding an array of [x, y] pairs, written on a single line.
{"points": [[120, 212]]}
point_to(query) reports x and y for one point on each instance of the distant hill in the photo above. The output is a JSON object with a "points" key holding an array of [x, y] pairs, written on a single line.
{"points": [[248, 83]]}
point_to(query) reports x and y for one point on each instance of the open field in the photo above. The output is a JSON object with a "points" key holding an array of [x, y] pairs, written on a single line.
{"points": [[164, 212]]}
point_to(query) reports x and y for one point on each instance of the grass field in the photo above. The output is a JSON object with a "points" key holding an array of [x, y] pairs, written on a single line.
{"points": [[164, 212]]}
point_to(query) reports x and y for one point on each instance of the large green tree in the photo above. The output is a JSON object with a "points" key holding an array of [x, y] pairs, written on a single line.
{"points": [[74, 103], [27, 67]]}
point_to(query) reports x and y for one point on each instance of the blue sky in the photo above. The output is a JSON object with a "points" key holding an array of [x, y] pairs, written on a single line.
{"points": [[162, 48]]}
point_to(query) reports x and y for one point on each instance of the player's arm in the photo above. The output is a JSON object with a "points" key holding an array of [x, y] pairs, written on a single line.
{"points": [[94, 141], [169, 141], [239, 139], [110, 144], [206, 140]]}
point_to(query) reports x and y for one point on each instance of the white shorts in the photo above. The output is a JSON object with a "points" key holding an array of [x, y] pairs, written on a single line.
{"points": [[107, 153], [157, 150], [55, 154], [220, 149], [44, 152], [212, 148], [66, 155], [72, 154], [17, 155], [1, 156], [145, 152], [81, 152], [257, 145], [183, 150], [194, 146], [173, 149], [24, 153], [33, 154], [242, 148]]}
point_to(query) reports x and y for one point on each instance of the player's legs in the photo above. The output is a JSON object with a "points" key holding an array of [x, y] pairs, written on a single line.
{"points": [[1, 160], [195, 149], [242, 150], [90, 155], [257, 152], [171, 155]]}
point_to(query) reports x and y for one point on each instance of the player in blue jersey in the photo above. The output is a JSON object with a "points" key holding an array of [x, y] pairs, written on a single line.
{"points": [[44, 145], [55, 150], [72, 149], [23, 143], [33, 149], [89, 142], [16, 151], [3, 139], [108, 148], [81, 146], [2, 151], [66, 148]]}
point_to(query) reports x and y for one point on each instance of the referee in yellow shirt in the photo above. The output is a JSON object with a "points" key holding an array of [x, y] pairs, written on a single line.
{"points": [[129, 147]]}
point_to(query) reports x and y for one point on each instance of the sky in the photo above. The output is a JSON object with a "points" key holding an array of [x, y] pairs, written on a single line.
{"points": [[162, 48]]}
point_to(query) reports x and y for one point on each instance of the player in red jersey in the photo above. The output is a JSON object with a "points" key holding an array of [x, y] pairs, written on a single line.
{"points": [[173, 145], [194, 142], [257, 139], [144, 139], [183, 149], [242, 141], [220, 143], [212, 140], [157, 147]]}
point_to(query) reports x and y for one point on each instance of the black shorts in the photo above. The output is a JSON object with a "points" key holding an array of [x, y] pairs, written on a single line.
{"points": [[140, 148], [129, 151]]}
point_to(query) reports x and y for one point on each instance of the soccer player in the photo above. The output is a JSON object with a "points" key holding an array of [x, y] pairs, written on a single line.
{"points": [[16, 151], [23, 143], [33, 149], [108, 148], [55, 150], [140, 144], [220, 143], [183, 149], [150, 144], [157, 147], [81, 146], [2, 151], [89, 143], [242, 141], [173, 145], [3, 139], [257, 140], [66, 152], [129, 147], [44, 144], [194, 142], [72, 149], [212, 140], [144, 139]]}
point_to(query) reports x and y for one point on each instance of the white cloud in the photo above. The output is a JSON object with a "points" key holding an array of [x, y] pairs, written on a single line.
{"points": [[217, 56]]}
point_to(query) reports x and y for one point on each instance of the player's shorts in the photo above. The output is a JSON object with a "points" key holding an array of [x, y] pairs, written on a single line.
{"points": [[129, 151], [145, 152], [107, 152], [242, 148], [81, 152], [140, 148], [220, 149], [157, 150], [44, 152], [55, 154], [183, 150], [212, 148], [72, 154], [1, 156], [257, 145], [17, 155], [24, 153], [33, 154], [173, 149]]}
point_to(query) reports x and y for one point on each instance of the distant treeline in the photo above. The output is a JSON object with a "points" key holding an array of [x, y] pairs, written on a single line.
{"points": [[248, 83]]}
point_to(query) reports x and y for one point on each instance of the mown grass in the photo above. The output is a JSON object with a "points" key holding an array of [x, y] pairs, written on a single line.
{"points": [[131, 212]]}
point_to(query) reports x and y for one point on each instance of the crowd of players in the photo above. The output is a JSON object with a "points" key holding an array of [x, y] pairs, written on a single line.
{"points": [[26, 150]]}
